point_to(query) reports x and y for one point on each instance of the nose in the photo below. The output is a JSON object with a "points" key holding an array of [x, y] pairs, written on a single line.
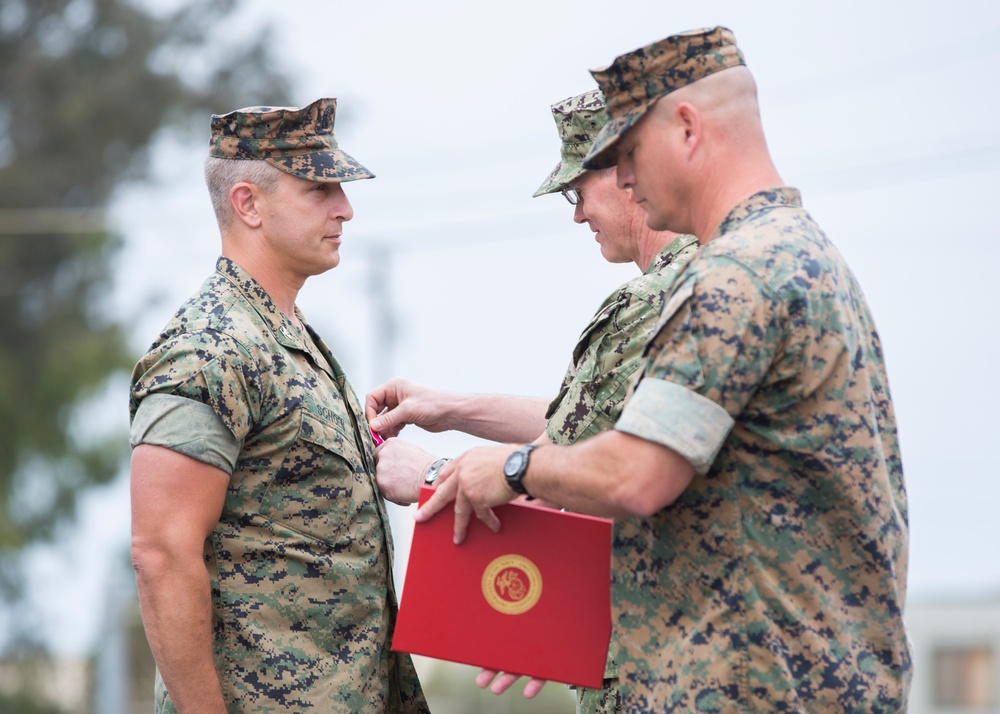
{"points": [[578, 214], [340, 206]]}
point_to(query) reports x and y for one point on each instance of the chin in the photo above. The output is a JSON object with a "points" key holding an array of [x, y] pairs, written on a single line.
{"points": [[656, 223], [327, 265]]}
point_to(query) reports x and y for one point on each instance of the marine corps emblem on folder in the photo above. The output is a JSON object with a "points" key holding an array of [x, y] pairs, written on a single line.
{"points": [[512, 584]]}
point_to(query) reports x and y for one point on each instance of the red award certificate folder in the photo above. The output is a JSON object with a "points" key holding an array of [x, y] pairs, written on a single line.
{"points": [[533, 599]]}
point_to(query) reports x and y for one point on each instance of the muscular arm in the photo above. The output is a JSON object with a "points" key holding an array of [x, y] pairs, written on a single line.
{"points": [[391, 406], [613, 475], [176, 502], [499, 417]]}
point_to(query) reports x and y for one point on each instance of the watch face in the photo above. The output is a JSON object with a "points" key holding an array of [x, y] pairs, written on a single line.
{"points": [[513, 464]]}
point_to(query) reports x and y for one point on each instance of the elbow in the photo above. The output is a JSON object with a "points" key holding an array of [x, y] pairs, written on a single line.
{"points": [[644, 491], [640, 502], [148, 559]]}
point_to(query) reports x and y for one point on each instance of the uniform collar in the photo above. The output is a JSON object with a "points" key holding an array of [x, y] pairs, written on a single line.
{"points": [[667, 255], [284, 331], [760, 201]]}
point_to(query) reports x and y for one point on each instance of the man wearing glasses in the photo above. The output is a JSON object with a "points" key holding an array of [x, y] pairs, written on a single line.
{"points": [[605, 360]]}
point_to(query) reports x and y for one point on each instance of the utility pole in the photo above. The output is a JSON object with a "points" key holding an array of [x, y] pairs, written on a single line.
{"points": [[384, 331]]}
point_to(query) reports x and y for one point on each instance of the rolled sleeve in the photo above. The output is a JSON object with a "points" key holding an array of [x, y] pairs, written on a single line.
{"points": [[187, 427], [674, 416]]}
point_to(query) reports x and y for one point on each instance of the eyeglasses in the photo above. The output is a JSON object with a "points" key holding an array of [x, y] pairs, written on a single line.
{"points": [[572, 195]]}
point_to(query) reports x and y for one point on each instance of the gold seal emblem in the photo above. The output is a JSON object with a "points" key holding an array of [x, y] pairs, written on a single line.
{"points": [[512, 584]]}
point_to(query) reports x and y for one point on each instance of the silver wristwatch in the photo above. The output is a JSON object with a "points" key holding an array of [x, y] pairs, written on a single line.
{"points": [[432, 471]]}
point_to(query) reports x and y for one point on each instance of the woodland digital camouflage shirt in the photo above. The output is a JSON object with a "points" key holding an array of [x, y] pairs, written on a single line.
{"points": [[300, 561], [608, 355], [777, 580]]}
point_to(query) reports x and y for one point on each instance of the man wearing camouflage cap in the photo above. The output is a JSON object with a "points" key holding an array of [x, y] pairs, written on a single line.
{"points": [[605, 359], [261, 545], [760, 542]]}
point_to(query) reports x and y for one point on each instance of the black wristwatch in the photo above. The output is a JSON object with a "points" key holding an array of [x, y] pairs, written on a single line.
{"points": [[516, 466]]}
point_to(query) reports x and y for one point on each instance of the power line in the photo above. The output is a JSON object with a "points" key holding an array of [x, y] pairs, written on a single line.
{"points": [[856, 177], [907, 170], [891, 68], [41, 221]]}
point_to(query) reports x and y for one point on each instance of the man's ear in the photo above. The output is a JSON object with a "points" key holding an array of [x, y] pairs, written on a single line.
{"points": [[243, 198], [689, 119]]}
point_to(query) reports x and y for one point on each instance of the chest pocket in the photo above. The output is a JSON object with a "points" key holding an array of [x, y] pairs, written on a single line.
{"points": [[592, 392], [321, 484]]}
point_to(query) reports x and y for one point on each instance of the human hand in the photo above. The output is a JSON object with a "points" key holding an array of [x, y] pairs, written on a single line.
{"points": [[503, 682], [392, 405], [400, 470], [475, 482]]}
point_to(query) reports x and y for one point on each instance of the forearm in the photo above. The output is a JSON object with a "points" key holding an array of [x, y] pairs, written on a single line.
{"points": [[612, 475], [175, 601], [498, 417]]}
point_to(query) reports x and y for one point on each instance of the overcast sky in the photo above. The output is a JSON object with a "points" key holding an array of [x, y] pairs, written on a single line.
{"points": [[883, 114]]}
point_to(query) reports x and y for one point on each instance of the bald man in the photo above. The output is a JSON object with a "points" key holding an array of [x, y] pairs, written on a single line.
{"points": [[755, 478]]}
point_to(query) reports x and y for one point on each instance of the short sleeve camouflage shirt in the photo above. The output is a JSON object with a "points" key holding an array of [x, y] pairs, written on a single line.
{"points": [[777, 581], [300, 561], [608, 354]]}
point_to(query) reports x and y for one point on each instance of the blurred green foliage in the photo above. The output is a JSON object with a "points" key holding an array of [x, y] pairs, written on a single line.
{"points": [[86, 86]]}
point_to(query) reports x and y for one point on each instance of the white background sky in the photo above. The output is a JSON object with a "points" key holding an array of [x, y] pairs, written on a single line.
{"points": [[883, 114]]}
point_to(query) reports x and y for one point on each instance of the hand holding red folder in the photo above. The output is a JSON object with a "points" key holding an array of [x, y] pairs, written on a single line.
{"points": [[533, 598], [481, 487]]}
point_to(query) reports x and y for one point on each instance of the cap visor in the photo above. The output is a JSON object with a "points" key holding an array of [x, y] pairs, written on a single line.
{"points": [[565, 173], [604, 154], [333, 166]]}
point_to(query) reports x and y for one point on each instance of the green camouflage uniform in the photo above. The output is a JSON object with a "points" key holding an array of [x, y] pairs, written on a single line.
{"points": [[608, 354], [777, 580], [300, 562], [605, 366]]}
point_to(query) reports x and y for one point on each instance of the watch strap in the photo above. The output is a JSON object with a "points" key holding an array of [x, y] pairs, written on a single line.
{"points": [[515, 480]]}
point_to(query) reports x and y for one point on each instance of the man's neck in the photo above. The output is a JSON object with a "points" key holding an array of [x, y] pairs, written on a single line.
{"points": [[282, 290], [651, 244], [726, 193]]}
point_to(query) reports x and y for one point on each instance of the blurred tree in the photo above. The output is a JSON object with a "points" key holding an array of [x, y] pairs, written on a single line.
{"points": [[85, 88]]}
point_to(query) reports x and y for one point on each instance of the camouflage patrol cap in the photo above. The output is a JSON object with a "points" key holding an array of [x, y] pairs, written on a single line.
{"points": [[634, 81], [299, 141], [578, 120]]}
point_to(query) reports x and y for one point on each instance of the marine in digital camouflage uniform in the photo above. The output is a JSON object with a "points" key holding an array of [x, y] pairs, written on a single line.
{"points": [[776, 581], [300, 560], [605, 360], [755, 478], [608, 353]]}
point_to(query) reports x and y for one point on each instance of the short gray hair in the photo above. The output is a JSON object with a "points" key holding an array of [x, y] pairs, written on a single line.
{"points": [[222, 174]]}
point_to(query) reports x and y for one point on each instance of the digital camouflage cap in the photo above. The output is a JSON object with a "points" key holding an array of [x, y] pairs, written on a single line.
{"points": [[299, 141], [578, 120], [634, 81]]}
